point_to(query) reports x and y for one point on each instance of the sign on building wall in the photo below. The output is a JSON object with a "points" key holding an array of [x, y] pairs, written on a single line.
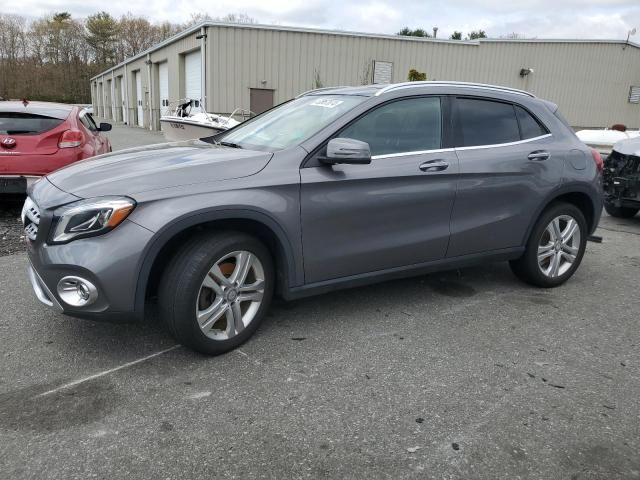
{"points": [[634, 95], [382, 72]]}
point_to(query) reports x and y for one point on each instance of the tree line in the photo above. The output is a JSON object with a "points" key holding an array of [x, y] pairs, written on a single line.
{"points": [[53, 58]]}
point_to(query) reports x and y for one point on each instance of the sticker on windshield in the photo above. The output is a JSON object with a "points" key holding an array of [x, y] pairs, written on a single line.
{"points": [[326, 103]]}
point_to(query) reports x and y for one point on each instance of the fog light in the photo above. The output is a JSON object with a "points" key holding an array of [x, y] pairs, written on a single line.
{"points": [[77, 292]]}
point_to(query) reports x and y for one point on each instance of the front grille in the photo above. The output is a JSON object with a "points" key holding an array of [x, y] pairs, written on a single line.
{"points": [[30, 218]]}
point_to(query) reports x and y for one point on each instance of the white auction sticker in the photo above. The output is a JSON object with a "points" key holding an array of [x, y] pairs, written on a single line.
{"points": [[326, 103]]}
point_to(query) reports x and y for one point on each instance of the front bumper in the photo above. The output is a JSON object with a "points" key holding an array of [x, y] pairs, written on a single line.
{"points": [[110, 262]]}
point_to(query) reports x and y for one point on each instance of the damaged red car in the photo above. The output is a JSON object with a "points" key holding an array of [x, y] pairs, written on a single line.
{"points": [[37, 138]]}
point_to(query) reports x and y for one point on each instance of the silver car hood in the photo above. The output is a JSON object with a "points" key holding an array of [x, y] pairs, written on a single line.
{"points": [[157, 166]]}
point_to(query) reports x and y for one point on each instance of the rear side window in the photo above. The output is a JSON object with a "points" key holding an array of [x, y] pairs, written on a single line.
{"points": [[485, 122], [15, 123], [409, 125], [87, 120], [529, 126]]}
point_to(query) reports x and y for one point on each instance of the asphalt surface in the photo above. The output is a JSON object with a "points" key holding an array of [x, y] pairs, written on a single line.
{"points": [[466, 374]]}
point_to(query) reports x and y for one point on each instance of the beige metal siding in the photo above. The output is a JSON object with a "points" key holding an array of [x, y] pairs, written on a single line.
{"points": [[589, 80]]}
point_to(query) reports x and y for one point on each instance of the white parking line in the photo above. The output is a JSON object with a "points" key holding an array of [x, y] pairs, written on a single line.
{"points": [[107, 372]]}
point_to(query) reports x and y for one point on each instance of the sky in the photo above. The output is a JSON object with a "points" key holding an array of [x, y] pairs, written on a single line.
{"points": [[610, 19]]}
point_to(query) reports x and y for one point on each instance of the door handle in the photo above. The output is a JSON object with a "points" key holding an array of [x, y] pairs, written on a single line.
{"points": [[434, 166], [539, 155]]}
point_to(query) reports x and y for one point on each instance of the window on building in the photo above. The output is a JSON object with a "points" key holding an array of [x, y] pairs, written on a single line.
{"points": [[485, 122], [409, 125]]}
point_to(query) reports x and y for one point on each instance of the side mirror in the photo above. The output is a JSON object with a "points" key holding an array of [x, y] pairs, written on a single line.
{"points": [[347, 150], [104, 127]]}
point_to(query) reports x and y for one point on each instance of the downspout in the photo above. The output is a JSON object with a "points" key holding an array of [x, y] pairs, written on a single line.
{"points": [[203, 67], [104, 98], [150, 105], [113, 97], [126, 95]]}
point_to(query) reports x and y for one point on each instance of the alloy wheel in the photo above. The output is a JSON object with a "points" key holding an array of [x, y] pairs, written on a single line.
{"points": [[230, 295], [559, 246]]}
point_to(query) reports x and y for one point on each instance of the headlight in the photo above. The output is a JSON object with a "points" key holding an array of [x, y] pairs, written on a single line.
{"points": [[88, 218]]}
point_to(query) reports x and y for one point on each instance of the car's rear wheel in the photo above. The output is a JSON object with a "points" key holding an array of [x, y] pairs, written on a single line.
{"points": [[555, 248], [620, 212], [216, 290]]}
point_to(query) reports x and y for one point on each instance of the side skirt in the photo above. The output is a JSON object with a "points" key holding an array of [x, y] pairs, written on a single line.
{"points": [[368, 278]]}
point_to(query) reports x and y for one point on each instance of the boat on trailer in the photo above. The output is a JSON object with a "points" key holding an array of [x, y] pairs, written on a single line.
{"points": [[184, 125]]}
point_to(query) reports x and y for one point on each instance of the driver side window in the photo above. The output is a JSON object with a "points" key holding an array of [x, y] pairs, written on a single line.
{"points": [[409, 125]]}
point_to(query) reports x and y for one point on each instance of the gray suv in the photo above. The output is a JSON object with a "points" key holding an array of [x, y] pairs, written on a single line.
{"points": [[337, 188]]}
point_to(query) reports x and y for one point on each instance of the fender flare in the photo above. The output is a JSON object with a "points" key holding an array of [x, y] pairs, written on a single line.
{"points": [[571, 187], [179, 224]]}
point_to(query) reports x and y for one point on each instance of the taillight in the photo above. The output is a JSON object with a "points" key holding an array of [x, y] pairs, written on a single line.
{"points": [[598, 159], [70, 139]]}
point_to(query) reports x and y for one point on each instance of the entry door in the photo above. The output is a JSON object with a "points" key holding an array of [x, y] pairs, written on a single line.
{"points": [[260, 100], [139, 101], [192, 80], [508, 164], [391, 213], [163, 84]]}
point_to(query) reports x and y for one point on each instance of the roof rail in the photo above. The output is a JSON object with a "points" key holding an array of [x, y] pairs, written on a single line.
{"points": [[319, 90], [397, 86]]}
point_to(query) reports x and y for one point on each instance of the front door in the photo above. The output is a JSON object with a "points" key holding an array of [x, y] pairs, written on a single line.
{"points": [[391, 213], [260, 100]]}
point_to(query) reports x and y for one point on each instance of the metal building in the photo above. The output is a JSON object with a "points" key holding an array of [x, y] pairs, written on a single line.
{"points": [[226, 66]]}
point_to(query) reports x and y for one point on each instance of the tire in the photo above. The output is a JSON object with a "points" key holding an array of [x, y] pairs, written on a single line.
{"points": [[620, 212], [541, 273], [188, 290]]}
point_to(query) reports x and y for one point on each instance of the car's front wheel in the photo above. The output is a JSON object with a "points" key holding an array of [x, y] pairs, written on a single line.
{"points": [[215, 291], [555, 248]]}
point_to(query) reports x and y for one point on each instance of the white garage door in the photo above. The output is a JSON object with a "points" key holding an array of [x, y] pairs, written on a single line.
{"points": [[163, 84], [138, 78], [192, 81]]}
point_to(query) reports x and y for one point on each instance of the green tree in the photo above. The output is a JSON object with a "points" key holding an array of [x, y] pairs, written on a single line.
{"points": [[102, 33], [418, 32], [416, 76], [476, 34], [456, 35]]}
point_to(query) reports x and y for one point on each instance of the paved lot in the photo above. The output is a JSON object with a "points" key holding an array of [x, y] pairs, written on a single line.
{"points": [[467, 374]]}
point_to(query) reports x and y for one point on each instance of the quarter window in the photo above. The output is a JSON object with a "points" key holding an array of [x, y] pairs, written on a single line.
{"points": [[484, 122], [410, 125], [529, 126]]}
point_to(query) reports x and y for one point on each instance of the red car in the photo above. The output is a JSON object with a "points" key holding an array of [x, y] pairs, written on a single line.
{"points": [[37, 138]]}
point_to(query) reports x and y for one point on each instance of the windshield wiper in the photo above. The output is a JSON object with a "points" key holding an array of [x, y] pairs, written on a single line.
{"points": [[230, 144]]}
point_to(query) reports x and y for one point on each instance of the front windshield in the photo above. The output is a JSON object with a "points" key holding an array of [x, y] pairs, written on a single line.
{"points": [[291, 123]]}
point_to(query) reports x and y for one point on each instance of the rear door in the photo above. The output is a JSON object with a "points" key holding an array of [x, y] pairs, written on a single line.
{"points": [[392, 213], [508, 163], [97, 140]]}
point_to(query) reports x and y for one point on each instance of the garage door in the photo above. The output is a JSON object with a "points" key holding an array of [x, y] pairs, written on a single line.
{"points": [[192, 81], [163, 83], [140, 110]]}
